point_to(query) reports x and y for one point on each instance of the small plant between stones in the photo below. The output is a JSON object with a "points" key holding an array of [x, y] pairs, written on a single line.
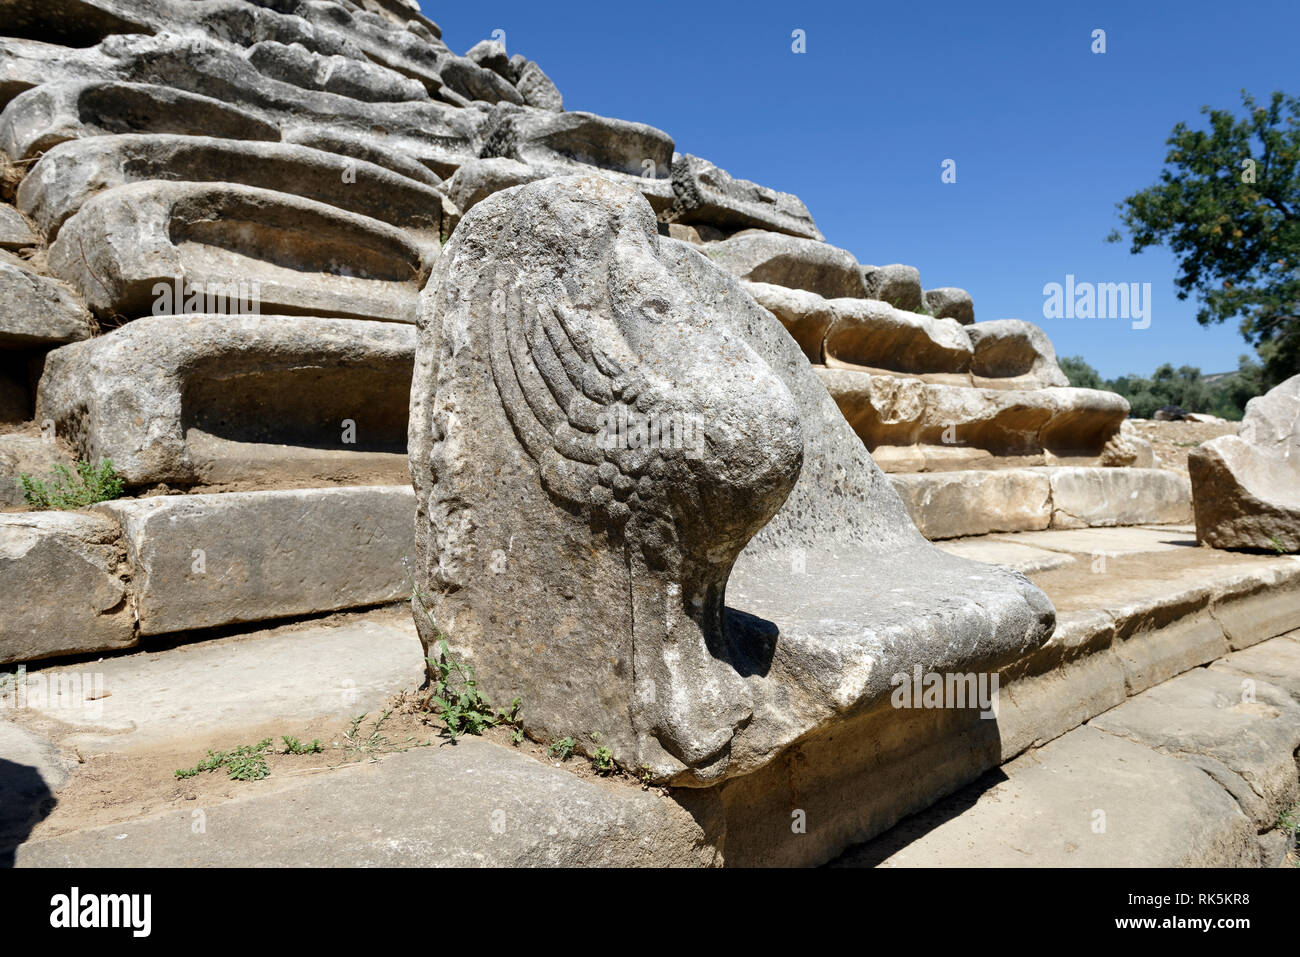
{"points": [[359, 744], [461, 705], [64, 490], [245, 763]]}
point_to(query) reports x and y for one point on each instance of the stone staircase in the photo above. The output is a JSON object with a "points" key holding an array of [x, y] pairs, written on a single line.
{"points": [[216, 223]]}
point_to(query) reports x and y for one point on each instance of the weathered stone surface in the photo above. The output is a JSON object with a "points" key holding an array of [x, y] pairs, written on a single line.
{"points": [[1024, 558], [126, 246], [949, 302], [1248, 726], [478, 179], [887, 410], [561, 144], [1246, 487], [972, 502], [712, 196], [761, 256], [15, 233], [496, 808], [805, 315], [1127, 448], [54, 113], [205, 560], [439, 135], [353, 78], [35, 309], [208, 692], [1009, 348], [898, 285], [1276, 661], [65, 570], [371, 149], [203, 399], [549, 140], [473, 82], [538, 89], [25, 64], [1088, 497], [71, 173], [27, 455], [951, 504], [491, 55], [871, 333], [710, 695], [1043, 815]]}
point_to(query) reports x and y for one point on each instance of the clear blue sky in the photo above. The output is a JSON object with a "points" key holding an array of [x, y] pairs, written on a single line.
{"points": [[1047, 136]]}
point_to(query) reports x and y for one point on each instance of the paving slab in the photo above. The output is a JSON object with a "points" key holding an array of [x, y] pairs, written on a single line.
{"points": [[31, 770], [1247, 725], [474, 803], [1023, 558], [340, 667], [1276, 661], [1084, 800], [1131, 540]]}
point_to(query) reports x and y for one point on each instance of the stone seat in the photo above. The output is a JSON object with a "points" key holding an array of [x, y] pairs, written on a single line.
{"points": [[213, 399], [70, 174], [53, 113], [888, 410], [128, 246]]}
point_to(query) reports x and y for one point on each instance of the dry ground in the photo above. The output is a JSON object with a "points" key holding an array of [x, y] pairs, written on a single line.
{"points": [[1173, 440]]}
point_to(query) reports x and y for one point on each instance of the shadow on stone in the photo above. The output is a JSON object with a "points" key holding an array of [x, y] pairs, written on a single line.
{"points": [[874, 852], [25, 800]]}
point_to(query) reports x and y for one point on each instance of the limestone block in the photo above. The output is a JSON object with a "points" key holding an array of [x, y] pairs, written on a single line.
{"points": [[66, 574], [210, 399], [709, 195], [1246, 487], [1005, 348], [36, 309], [1250, 727], [763, 256], [949, 302], [898, 285], [70, 174], [205, 560], [273, 251], [54, 113]]}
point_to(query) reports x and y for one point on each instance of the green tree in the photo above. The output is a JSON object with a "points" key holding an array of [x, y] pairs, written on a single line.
{"points": [[1228, 205], [1080, 374]]}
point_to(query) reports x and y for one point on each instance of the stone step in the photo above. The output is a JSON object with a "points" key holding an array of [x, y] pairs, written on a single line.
{"points": [[1135, 607], [96, 580], [70, 173], [1216, 745], [277, 252], [905, 422], [492, 804], [980, 501], [476, 804], [215, 399]]}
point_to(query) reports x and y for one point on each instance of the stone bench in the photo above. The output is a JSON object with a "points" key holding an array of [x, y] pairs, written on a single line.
{"points": [[70, 174], [126, 247], [909, 424], [54, 113], [268, 400]]}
